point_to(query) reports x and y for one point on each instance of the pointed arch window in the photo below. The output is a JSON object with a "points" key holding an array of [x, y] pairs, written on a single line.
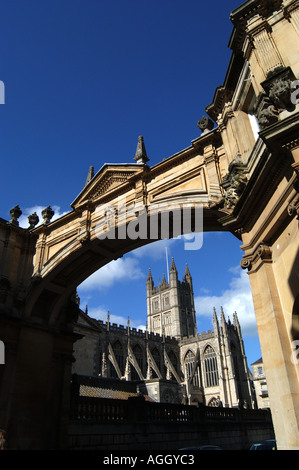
{"points": [[157, 359], [189, 366], [173, 360], [211, 367], [138, 353], [119, 356]]}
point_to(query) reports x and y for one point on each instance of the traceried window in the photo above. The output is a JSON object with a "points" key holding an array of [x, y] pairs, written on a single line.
{"points": [[157, 359], [173, 360], [211, 368], [119, 356], [189, 366], [139, 358]]}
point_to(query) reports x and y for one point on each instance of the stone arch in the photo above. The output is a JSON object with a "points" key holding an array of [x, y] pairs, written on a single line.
{"points": [[58, 271]]}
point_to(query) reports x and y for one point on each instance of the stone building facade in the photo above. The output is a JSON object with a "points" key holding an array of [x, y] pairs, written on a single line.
{"points": [[260, 384], [170, 361]]}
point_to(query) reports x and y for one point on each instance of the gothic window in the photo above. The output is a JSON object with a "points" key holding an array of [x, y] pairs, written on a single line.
{"points": [[157, 359], [173, 359], [166, 301], [189, 366], [156, 304], [139, 358], [211, 368], [119, 356]]}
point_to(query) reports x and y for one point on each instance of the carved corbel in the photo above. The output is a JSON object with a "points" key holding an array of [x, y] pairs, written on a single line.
{"points": [[246, 263], [264, 252]]}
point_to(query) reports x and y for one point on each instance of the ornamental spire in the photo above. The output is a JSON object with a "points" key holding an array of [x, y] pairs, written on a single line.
{"points": [[141, 156], [90, 175]]}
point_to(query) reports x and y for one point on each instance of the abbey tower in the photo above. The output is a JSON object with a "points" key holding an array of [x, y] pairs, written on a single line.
{"points": [[170, 306]]}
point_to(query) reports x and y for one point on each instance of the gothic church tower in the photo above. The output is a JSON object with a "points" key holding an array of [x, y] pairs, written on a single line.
{"points": [[170, 306]]}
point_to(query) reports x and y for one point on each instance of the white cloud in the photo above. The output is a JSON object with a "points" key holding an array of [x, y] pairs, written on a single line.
{"points": [[155, 250], [122, 269], [237, 298], [126, 268], [100, 313], [23, 220]]}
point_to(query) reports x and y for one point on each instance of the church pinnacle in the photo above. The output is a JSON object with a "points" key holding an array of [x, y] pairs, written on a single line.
{"points": [[90, 175], [141, 156]]}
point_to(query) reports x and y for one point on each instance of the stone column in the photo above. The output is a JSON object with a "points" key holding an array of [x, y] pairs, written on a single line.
{"points": [[276, 348]]}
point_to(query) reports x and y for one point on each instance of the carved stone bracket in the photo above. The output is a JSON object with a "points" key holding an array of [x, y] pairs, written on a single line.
{"points": [[276, 96], [246, 263], [262, 253]]}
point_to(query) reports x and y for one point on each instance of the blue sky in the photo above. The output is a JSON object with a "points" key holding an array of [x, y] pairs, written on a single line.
{"points": [[83, 79]]}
